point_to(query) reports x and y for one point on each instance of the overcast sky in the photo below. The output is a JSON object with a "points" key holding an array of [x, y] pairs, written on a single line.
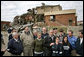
{"points": [[10, 9]]}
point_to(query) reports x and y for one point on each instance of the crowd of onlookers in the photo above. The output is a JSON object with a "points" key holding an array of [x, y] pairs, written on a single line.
{"points": [[45, 43]]}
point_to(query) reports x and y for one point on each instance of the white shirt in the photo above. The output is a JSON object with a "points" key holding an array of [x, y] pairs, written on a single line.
{"points": [[16, 39], [81, 40], [38, 39]]}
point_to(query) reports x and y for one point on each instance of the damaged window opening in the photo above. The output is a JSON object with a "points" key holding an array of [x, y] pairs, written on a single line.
{"points": [[70, 22], [52, 18]]}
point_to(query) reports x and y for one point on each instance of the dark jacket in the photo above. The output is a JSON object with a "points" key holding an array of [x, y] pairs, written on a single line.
{"points": [[44, 35], [15, 47], [66, 52], [61, 37], [10, 36], [47, 46], [57, 49], [49, 40], [9, 30], [35, 37], [79, 48]]}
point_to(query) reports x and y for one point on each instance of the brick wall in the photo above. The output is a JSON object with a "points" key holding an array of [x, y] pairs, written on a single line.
{"points": [[61, 19]]}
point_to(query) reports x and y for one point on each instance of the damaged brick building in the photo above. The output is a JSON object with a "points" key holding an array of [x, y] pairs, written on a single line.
{"points": [[55, 16], [49, 15]]}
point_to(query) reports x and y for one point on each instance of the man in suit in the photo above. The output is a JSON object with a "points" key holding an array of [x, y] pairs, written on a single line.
{"points": [[44, 32], [79, 44], [49, 41]]}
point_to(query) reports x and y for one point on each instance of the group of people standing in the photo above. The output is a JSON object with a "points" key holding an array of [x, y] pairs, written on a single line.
{"points": [[45, 43]]}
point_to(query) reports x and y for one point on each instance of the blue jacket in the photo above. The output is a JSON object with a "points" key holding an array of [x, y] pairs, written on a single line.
{"points": [[15, 47], [72, 40]]}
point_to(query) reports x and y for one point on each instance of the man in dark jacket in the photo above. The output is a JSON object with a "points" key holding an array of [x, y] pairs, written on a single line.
{"points": [[44, 33], [55, 32], [15, 45], [49, 41], [79, 44], [61, 35]]}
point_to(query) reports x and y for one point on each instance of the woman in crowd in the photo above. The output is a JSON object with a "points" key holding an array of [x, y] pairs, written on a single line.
{"points": [[38, 46], [66, 47], [57, 48]]}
